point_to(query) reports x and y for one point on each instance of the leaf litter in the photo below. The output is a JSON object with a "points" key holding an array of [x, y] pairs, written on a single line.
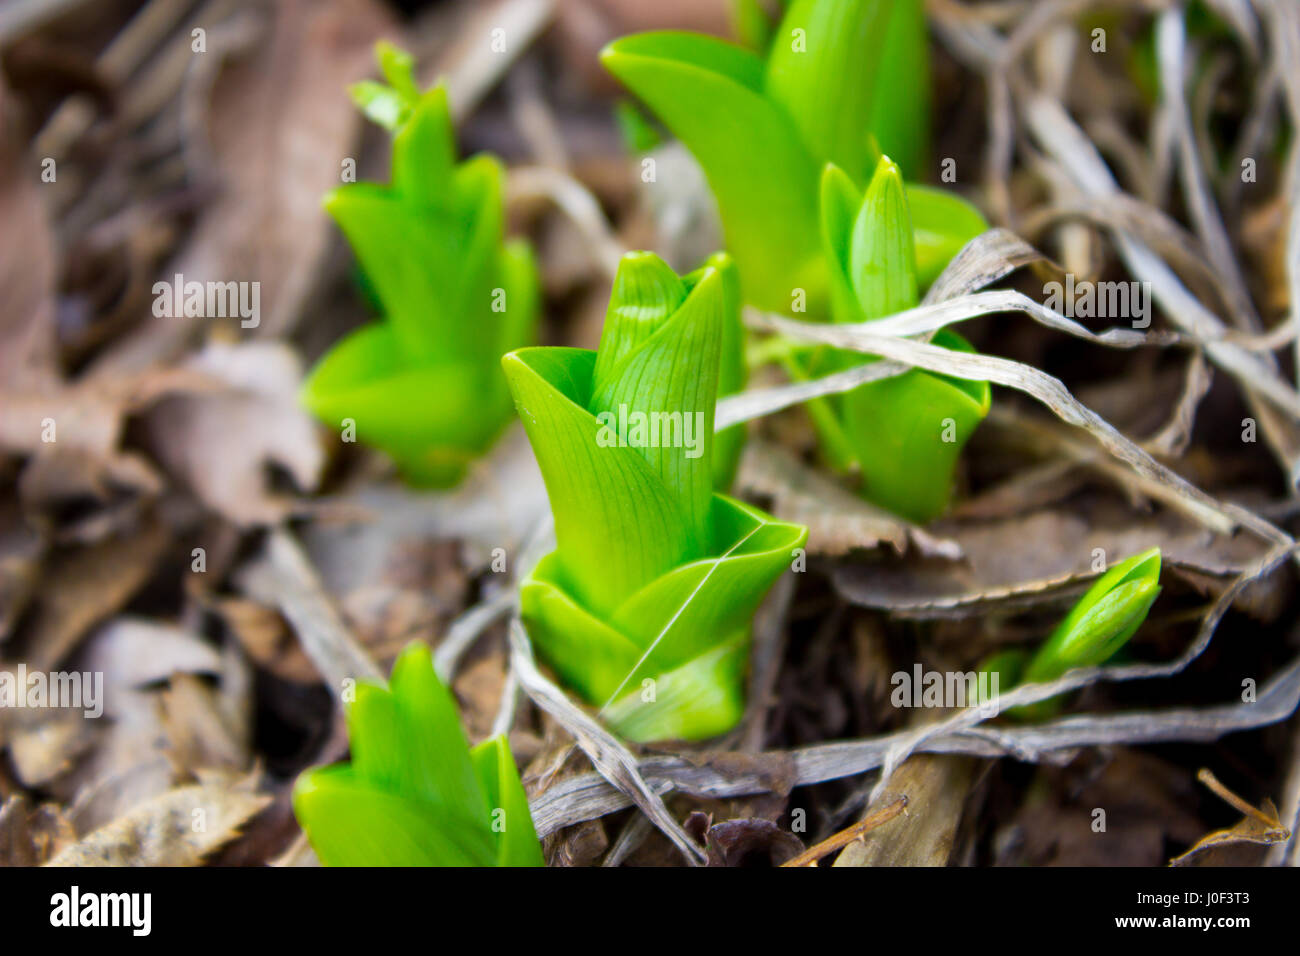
{"points": [[316, 565]]}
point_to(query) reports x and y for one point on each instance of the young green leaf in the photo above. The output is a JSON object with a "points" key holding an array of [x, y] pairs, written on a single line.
{"points": [[843, 78], [823, 69], [415, 794], [710, 94], [732, 372], [645, 605], [455, 295], [752, 23]]}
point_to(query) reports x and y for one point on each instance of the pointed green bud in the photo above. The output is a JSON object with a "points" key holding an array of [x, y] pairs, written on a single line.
{"points": [[732, 373], [1103, 620], [398, 68], [882, 257], [1099, 624], [646, 292]]}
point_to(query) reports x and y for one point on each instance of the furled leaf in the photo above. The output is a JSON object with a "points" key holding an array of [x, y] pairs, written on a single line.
{"points": [[655, 578], [511, 818], [882, 258], [900, 111], [616, 525], [1103, 620], [823, 69], [732, 373]]}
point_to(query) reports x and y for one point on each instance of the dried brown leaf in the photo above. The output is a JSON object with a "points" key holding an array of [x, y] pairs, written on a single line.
{"points": [[178, 828], [220, 444]]}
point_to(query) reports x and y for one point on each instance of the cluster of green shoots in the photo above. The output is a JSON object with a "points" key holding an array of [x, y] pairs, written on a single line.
{"points": [[840, 105], [645, 606]]}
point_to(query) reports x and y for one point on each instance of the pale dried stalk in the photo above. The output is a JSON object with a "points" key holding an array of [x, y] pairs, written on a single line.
{"points": [[614, 762], [1025, 378], [284, 578], [589, 796], [575, 201]]}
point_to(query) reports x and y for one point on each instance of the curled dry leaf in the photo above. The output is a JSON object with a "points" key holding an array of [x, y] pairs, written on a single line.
{"points": [[179, 828], [1028, 559], [220, 444], [283, 576], [84, 586], [44, 743], [838, 521], [27, 264], [134, 652], [21, 550], [266, 638], [31, 835], [1260, 826], [751, 842], [276, 130]]}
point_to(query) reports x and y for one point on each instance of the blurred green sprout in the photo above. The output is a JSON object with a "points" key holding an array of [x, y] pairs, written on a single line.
{"points": [[424, 384], [415, 793]]}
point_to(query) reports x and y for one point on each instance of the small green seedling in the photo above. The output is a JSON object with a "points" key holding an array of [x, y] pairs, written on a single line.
{"points": [[904, 433], [424, 384], [645, 606], [1095, 629], [843, 79], [415, 794]]}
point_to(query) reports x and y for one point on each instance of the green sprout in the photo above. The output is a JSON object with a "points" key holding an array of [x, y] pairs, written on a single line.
{"points": [[844, 79], [423, 384], [1101, 623], [904, 433], [646, 604], [415, 794]]}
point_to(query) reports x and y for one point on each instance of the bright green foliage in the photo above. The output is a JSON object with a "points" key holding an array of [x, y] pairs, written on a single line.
{"points": [[752, 21], [415, 794], [1097, 626], [732, 373], [646, 604], [639, 133], [843, 79], [904, 433], [424, 383]]}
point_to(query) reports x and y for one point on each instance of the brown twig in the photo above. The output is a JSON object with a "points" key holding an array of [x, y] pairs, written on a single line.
{"points": [[842, 839]]}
